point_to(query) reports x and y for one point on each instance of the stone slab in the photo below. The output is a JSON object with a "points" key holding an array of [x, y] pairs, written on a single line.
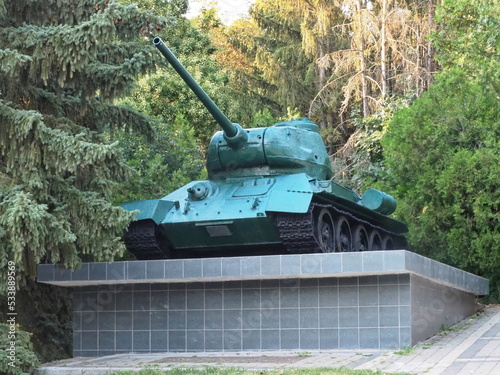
{"points": [[272, 267], [256, 315]]}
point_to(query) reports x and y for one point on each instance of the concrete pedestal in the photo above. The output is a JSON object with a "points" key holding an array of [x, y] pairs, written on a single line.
{"points": [[372, 300]]}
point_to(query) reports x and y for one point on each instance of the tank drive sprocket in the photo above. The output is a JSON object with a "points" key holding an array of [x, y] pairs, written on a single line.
{"points": [[144, 241], [297, 232]]}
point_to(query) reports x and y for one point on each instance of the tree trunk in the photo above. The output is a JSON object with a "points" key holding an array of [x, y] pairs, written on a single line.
{"points": [[320, 83], [430, 47], [364, 79], [383, 51]]}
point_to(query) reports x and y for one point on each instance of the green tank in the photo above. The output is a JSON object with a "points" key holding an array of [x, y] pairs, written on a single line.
{"points": [[269, 190]]}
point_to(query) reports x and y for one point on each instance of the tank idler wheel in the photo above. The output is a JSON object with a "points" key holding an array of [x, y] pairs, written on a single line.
{"points": [[325, 231], [387, 243], [343, 239], [375, 241], [360, 241]]}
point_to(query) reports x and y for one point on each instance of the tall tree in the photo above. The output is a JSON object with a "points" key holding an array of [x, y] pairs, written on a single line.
{"points": [[283, 72], [336, 59], [61, 67], [387, 54], [444, 150]]}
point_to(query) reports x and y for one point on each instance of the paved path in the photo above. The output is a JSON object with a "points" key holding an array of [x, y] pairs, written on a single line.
{"points": [[471, 347], [474, 350]]}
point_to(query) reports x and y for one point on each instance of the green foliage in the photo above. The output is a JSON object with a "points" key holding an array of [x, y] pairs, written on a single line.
{"points": [[170, 8], [360, 163], [62, 65], [494, 296], [282, 73], [444, 150], [11, 60], [263, 118], [329, 59], [444, 329], [470, 37], [168, 162], [16, 351], [208, 18], [46, 312], [444, 155]]}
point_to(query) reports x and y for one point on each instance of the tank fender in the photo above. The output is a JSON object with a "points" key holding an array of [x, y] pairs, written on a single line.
{"points": [[155, 209], [291, 193], [289, 201]]}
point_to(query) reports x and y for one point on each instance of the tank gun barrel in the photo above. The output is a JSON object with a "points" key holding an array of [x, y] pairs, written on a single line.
{"points": [[234, 133]]}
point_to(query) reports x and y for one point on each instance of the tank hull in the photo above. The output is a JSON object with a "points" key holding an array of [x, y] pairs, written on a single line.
{"points": [[216, 215]]}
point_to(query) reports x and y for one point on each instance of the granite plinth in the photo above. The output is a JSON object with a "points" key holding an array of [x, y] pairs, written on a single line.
{"points": [[371, 300]]}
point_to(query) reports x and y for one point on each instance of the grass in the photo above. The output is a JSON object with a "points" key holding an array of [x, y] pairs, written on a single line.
{"points": [[304, 354], [405, 351], [455, 328], [238, 371]]}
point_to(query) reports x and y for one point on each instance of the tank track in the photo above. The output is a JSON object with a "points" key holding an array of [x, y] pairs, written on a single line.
{"points": [[143, 241], [297, 230]]}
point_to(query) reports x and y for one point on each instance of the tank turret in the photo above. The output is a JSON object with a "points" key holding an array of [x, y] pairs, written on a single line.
{"points": [[285, 148], [269, 190]]}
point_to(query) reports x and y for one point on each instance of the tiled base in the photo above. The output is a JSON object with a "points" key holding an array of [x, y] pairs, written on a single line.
{"points": [[372, 300], [299, 314]]}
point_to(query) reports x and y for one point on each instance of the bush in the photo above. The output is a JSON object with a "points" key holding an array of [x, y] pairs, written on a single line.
{"points": [[16, 350], [444, 157]]}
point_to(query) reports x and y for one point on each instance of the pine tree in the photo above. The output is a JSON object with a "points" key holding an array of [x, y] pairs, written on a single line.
{"points": [[62, 63]]}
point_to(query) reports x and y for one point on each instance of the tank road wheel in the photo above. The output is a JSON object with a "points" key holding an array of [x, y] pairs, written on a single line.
{"points": [[387, 243], [375, 241], [325, 231], [360, 241], [343, 237]]}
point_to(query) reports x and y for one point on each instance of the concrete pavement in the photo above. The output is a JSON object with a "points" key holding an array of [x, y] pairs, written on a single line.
{"points": [[470, 347]]}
